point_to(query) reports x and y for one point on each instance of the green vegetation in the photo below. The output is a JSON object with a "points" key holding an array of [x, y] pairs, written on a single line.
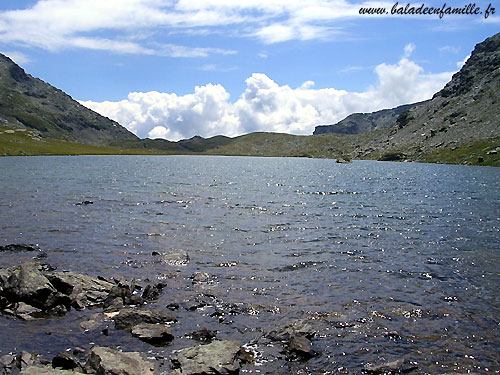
{"points": [[475, 153], [15, 142]]}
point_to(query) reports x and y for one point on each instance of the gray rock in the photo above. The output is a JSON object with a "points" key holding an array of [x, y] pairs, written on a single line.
{"points": [[128, 318], [106, 361], [219, 357], [27, 283], [82, 290], [152, 292], [299, 347], [177, 258], [7, 364], [45, 370], [156, 334], [300, 327], [25, 311], [204, 335], [200, 277], [399, 366]]}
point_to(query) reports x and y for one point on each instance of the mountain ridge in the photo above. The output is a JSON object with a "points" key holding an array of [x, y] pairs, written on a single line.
{"points": [[30, 103], [358, 123]]}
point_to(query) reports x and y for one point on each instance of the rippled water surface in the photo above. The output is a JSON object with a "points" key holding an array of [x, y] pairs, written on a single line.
{"points": [[391, 260]]}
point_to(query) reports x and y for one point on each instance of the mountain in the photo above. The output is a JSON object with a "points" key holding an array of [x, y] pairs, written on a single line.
{"points": [[460, 124], [358, 123], [31, 104]]}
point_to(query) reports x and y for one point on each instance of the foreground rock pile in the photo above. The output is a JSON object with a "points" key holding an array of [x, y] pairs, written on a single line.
{"points": [[34, 290]]}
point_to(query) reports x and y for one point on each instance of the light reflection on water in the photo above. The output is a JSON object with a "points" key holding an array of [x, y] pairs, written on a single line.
{"points": [[366, 248]]}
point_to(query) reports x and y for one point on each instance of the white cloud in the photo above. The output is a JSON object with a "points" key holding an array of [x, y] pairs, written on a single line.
{"points": [[131, 26], [267, 106], [409, 49]]}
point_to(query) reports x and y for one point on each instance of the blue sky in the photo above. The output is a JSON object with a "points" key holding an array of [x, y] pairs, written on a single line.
{"points": [[177, 68]]}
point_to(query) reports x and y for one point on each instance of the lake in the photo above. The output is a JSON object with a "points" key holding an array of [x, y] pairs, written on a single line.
{"points": [[389, 260]]}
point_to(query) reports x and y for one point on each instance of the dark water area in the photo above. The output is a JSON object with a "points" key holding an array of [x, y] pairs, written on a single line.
{"points": [[389, 260]]}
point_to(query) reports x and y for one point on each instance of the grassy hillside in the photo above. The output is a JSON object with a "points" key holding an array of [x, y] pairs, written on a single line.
{"points": [[28, 142]]}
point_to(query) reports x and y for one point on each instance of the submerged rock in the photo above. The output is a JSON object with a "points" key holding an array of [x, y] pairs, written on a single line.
{"points": [[204, 335], [19, 247], [219, 357], [106, 361], [399, 366], [300, 327], [156, 334]]}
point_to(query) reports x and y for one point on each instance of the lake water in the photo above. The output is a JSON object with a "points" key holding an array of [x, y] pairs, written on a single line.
{"points": [[390, 260]]}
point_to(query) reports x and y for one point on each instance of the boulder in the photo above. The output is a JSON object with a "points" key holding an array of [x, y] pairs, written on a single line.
{"points": [[26, 283], [219, 357], [106, 361], [177, 258], [156, 334], [82, 290], [7, 364], [66, 361], [300, 347], [128, 318]]}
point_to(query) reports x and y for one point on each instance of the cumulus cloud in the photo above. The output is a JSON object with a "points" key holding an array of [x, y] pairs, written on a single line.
{"points": [[267, 106]]}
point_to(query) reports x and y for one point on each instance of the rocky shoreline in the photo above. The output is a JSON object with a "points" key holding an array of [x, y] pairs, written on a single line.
{"points": [[35, 291]]}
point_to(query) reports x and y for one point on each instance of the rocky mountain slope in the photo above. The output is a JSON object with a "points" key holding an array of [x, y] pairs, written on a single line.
{"points": [[461, 121], [31, 104], [358, 123]]}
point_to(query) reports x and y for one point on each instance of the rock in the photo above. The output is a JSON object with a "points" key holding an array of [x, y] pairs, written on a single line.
{"points": [[7, 364], [124, 291], [393, 156], [178, 258], [25, 311], [106, 361], [219, 357], [151, 292], [156, 334], [200, 277], [204, 335], [128, 318], [82, 290], [45, 370], [300, 347], [173, 306], [84, 203], [26, 359], [66, 361], [19, 247], [399, 366], [300, 327], [26, 283]]}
